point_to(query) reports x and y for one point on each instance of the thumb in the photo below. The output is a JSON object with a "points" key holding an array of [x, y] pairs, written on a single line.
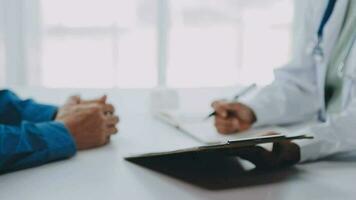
{"points": [[73, 100], [238, 107], [102, 99]]}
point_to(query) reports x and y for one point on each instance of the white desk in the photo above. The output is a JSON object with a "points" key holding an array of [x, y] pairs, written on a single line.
{"points": [[103, 174]]}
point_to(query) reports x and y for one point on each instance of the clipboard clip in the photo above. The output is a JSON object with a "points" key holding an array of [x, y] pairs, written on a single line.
{"points": [[270, 139]]}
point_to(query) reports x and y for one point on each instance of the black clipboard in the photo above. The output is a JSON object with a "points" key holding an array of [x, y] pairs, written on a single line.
{"points": [[226, 149]]}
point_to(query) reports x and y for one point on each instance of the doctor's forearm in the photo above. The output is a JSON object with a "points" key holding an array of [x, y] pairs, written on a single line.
{"points": [[279, 104]]}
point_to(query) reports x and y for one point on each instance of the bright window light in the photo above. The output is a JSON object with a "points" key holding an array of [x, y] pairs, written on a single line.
{"points": [[205, 43]]}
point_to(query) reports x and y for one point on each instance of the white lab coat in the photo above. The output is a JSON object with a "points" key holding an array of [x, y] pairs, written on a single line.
{"points": [[297, 94]]}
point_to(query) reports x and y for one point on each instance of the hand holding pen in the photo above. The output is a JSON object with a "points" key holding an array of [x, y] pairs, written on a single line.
{"points": [[237, 96], [232, 117]]}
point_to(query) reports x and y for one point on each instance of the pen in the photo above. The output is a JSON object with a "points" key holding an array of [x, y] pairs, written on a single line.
{"points": [[241, 93]]}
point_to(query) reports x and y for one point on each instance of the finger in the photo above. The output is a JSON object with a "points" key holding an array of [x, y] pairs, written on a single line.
{"points": [[102, 99], [281, 148], [257, 155], [230, 123], [106, 109], [243, 112], [109, 109], [112, 130], [111, 120], [224, 131], [222, 110], [287, 153], [271, 133], [96, 107], [235, 106], [240, 110]]}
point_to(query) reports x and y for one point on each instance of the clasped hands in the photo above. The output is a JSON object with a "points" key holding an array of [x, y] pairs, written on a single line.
{"points": [[90, 122]]}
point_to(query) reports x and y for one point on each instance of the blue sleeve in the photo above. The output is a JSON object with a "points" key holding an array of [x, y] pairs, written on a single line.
{"points": [[31, 144], [14, 110]]}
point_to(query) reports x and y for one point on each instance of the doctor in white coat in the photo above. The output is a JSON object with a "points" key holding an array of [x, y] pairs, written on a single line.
{"points": [[319, 83]]}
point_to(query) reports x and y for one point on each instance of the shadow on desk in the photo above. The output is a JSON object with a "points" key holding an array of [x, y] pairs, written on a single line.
{"points": [[213, 173], [342, 157]]}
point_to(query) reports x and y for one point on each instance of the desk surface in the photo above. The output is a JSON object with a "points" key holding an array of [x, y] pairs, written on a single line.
{"points": [[103, 174]]}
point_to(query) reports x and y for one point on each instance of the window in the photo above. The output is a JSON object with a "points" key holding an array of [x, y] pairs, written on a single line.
{"points": [[147, 43], [224, 42], [99, 43]]}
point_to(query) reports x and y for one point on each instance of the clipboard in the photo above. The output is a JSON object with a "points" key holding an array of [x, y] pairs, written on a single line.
{"points": [[221, 149]]}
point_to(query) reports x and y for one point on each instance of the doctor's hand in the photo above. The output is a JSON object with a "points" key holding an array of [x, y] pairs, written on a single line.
{"points": [[91, 124], [283, 154], [232, 117]]}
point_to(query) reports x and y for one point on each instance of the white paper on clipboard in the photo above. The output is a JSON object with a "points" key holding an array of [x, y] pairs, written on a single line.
{"points": [[194, 125]]}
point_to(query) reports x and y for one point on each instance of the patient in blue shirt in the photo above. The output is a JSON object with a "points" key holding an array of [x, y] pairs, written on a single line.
{"points": [[33, 134]]}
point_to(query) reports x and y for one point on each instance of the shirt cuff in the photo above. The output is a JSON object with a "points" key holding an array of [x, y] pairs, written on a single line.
{"points": [[309, 148], [44, 112], [60, 142]]}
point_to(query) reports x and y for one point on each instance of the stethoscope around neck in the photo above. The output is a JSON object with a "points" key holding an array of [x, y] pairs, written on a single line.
{"points": [[317, 50]]}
